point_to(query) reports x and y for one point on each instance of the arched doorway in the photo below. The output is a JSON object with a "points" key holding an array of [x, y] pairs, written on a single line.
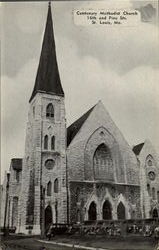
{"points": [[155, 213], [92, 213], [107, 211], [121, 211], [48, 217]]}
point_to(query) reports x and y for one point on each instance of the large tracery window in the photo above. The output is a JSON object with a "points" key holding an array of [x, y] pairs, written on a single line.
{"points": [[103, 163]]}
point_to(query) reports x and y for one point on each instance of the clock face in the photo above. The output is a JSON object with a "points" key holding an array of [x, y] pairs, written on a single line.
{"points": [[151, 175]]}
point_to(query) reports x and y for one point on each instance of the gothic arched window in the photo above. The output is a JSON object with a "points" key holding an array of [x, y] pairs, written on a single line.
{"points": [[102, 163], [49, 187], [153, 194], [46, 142], [148, 189], [50, 110], [56, 186], [52, 142]]}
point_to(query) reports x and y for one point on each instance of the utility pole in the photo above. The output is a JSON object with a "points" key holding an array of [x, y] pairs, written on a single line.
{"points": [[6, 230]]}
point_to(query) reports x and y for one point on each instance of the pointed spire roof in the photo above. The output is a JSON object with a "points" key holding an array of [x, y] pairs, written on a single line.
{"points": [[48, 79]]}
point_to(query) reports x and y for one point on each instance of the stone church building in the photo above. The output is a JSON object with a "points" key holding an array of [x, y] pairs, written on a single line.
{"points": [[84, 172]]}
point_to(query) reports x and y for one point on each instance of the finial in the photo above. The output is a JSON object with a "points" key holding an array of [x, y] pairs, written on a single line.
{"points": [[49, 3]]}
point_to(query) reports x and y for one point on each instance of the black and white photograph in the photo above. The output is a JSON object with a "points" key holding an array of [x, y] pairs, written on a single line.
{"points": [[79, 125]]}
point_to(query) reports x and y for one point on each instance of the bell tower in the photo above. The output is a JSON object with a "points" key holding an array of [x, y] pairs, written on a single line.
{"points": [[43, 196]]}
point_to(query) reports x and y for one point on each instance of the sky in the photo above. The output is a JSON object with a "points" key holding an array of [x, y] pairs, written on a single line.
{"points": [[119, 66]]}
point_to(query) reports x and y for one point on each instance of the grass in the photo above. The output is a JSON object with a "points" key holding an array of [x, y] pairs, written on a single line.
{"points": [[131, 243]]}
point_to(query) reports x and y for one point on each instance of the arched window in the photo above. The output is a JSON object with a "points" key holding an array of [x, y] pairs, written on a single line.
{"points": [[121, 211], [158, 196], [49, 164], [148, 189], [153, 194], [56, 184], [49, 187], [50, 110], [92, 212], [52, 142], [102, 163], [46, 142]]}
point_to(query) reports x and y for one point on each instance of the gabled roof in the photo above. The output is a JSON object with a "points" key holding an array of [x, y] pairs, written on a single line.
{"points": [[16, 164], [48, 79], [73, 129], [137, 148]]}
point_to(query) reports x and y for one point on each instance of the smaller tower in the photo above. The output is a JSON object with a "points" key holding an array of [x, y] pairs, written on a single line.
{"points": [[43, 195]]}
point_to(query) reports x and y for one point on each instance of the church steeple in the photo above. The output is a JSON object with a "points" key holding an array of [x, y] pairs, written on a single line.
{"points": [[48, 79]]}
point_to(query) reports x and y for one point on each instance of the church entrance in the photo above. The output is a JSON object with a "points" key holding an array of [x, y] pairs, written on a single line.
{"points": [[48, 217], [121, 211], [155, 213], [92, 213], [107, 211]]}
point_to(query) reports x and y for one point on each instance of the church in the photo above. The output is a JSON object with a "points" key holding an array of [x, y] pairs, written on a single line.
{"points": [[85, 172]]}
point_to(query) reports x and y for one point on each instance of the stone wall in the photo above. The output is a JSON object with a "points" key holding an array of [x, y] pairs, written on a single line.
{"points": [[148, 202], [81, 150], [36, 156], [122, 175], [83, 193]]}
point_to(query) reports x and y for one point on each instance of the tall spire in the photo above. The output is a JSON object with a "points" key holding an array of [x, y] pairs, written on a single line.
{"points": [[48, 79]]}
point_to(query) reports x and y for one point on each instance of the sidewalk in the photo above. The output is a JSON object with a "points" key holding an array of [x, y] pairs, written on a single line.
{"points": [[73, 246], [102, 243]]}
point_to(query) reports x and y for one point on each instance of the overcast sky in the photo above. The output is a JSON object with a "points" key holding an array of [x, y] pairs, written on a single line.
{"points": [[119, 66]]}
